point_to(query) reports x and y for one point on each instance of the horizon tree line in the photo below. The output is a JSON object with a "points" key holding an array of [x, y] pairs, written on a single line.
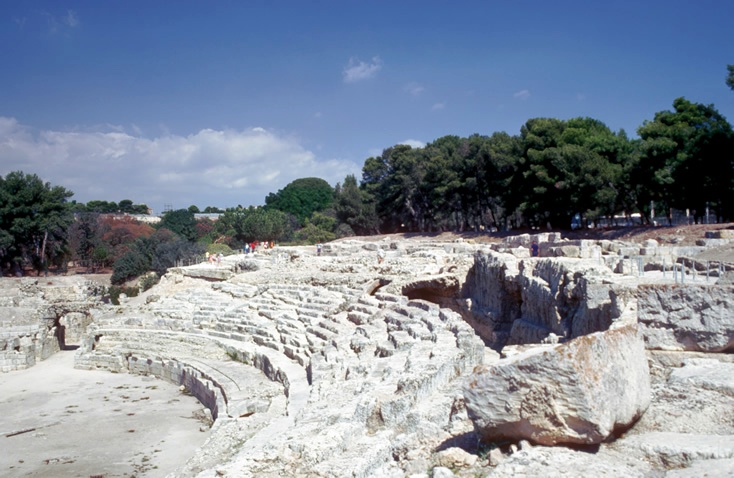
{"points": [[551, 172]]}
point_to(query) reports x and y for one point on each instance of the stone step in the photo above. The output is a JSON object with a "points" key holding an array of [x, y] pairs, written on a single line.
{"points": [[296, 355], [294, 341], [315, 314], [365, 309], [401, 339], [312, 306], [385, 297], [321, 333], [358, 318], [334, 327]]}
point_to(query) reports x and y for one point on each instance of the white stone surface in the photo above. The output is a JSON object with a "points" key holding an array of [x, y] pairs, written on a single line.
{"points": [[687, 317], [363, 381], [579, 392]]}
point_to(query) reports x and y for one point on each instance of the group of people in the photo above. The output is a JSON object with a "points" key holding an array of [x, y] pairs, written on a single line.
{"points": [[250, 247], [214, 258]]}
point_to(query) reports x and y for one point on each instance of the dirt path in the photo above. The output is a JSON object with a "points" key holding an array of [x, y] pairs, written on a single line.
{"points": [[59, 421]]}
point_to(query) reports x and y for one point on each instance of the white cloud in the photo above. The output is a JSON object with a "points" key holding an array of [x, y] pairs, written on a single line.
{"points": [[62, 23], [71, 19], [522, 95], [51, 22], [413, 143], [357, 70], [220, 168], [414, 89], [438, 106]]}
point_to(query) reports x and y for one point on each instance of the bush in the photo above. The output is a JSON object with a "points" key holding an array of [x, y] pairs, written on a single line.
{"points": [[312, 234], [168, 254], [148, 281], [344, 230], [131, 265], [116, 291], [217, 248]]}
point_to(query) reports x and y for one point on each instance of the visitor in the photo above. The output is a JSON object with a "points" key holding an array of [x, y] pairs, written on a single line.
{"points": [[380, 255], [318, 249], [534, 249]]}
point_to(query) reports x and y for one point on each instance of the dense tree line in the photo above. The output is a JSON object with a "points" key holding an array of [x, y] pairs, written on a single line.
{"points": [[552, 171], [125, 206], [549, 173]]}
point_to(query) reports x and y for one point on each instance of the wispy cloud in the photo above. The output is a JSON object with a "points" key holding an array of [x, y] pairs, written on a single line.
{"points": [[71, 19], [414, 89], [580, 97], [65, 22], [357, 70], [413, 143], [522, 95], [211, 167], [20, 21], [438, 106]]}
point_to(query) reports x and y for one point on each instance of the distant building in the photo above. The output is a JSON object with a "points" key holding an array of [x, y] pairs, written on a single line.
{"points": [[207, 215]]}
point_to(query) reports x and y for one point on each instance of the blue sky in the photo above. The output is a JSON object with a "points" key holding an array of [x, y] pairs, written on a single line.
{"points": [[218, 103]]}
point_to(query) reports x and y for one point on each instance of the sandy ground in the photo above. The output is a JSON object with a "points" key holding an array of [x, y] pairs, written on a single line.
{"points": [[58, 421]]}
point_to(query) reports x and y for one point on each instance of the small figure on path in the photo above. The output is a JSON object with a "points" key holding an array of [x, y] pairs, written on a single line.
{"points": [[219, 259], [534, 249], [318, 249], [380, 255]]}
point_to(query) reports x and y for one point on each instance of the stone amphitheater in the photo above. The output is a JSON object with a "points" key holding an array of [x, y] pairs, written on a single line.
{"points": [[450, 358]]}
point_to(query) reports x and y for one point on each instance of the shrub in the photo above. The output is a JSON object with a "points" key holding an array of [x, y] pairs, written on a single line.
{"points": [[148, 281], [168, 254], [132, 264], [217, 248], [116, 291]]}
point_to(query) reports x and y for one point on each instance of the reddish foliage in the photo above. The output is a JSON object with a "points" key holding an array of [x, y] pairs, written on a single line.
{"points": [[124, 230], [204, 227], [120, 232]]}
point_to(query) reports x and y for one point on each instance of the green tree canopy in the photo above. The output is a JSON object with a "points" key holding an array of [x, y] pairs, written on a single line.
{"points": [[253, 224], [34, 217], [687, 159], [182, 222], [302, 198], [103, 207], [354, 208], [567, 168]]}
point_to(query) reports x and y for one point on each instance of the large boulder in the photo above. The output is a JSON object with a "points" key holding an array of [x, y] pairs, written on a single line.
{"points": [[687, 317], [581, 392]]}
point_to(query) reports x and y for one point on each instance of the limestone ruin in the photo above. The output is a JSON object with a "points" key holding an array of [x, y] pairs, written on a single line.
{"points": [[450, 358]]}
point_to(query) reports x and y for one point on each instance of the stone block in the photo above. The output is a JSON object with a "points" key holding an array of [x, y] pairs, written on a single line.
{"points": [[579, 392], [687, 317]]}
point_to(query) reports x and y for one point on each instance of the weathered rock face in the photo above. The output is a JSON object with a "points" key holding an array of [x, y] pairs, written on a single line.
{"points": [[36, 314], [580, 392], [534, 298], [687, 317]]}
